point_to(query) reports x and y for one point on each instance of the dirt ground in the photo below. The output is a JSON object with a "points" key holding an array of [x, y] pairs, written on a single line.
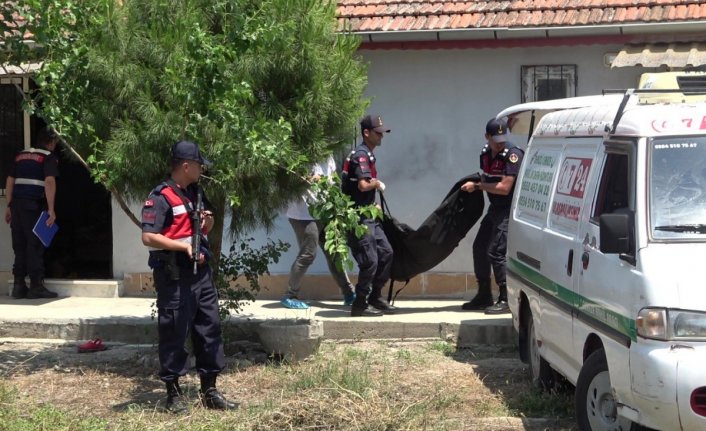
{"points": [[482, 389]]}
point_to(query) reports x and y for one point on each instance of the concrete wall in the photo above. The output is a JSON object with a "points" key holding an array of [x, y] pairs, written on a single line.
{"points": [[437, 103], [129, 255]]}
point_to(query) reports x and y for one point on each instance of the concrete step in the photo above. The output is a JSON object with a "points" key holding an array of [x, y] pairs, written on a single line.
{"points": [[83, 288], [129, 320]]}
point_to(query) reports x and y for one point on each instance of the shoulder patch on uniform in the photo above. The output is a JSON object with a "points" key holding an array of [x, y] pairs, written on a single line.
{"points": [[149, 215], [513, 158]]}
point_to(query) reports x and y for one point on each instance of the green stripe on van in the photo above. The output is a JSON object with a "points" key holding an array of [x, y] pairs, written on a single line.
{"points": [[622, 324]]}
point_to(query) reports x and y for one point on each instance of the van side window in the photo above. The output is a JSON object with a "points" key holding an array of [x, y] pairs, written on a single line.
{"points": [[614, 191]]}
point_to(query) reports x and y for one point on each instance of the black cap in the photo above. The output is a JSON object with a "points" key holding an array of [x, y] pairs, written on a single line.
{"points": [[187, 150], [46, 135], [373, 122], [497, 129]]}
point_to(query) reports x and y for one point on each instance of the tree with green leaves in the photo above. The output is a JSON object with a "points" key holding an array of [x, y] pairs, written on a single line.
{"points": [[266, 87]]}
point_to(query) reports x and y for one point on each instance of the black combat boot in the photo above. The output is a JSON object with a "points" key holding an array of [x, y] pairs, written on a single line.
{"points": [[376, 301], [382, 305], [176, 402], [482, 300], [360, 307], [211, 398], [37, 290], [19, 289], [500, 307]]}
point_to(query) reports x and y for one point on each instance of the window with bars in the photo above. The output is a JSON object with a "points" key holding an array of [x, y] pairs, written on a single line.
{"points": [[11, 127], [548, 82]]}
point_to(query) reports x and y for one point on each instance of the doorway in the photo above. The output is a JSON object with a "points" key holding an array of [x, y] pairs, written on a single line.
{"points": [[83, 245]]}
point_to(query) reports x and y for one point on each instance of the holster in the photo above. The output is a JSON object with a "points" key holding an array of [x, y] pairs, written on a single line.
{"points": [[167, 260]]}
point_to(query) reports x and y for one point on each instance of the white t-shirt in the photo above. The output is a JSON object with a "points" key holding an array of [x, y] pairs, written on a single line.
{"points": [[298, 209]]}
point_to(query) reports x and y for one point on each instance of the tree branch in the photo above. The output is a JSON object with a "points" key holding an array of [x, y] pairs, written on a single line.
{"points": [[113, 191]]}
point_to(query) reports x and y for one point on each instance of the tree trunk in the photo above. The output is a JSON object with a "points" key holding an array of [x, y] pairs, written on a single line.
{"points": [[215, 237]]}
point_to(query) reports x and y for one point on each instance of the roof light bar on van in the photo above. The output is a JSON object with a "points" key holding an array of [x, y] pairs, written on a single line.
{"points": [[668, 324], [628, 93], [654, 90]]}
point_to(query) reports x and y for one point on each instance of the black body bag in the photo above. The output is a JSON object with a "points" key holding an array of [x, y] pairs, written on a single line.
{"points": [[416, 251]]}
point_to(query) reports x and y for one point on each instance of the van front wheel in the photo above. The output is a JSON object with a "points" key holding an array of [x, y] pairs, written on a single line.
{"points": [[596, 408]]}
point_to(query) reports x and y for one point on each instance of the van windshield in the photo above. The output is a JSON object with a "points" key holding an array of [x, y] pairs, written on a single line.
{"points": [[678, 188]]}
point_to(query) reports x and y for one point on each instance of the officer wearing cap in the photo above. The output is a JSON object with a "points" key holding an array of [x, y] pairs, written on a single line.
{"points": [[187, 301], [31, 189], [500, 163], [372, 251]]}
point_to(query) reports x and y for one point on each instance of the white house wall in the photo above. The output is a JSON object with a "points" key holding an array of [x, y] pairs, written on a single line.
{"points": [[129, 255], [437, 103]]}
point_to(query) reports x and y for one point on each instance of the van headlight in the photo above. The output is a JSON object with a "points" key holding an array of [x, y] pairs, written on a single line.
{"points": [[666, 324]]}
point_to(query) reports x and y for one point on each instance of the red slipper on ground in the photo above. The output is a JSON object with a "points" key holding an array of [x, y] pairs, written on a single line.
{"points": [[95, 345]]}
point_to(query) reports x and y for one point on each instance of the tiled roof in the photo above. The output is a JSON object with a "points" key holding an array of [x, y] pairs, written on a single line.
{"points": [[416, 15], [16, 22]]}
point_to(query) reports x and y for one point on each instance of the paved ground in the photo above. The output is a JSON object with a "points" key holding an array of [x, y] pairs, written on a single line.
{"points": [[129, 320]]}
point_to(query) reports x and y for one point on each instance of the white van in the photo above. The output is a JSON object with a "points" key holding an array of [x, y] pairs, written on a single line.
{"points": [[607, 257]]}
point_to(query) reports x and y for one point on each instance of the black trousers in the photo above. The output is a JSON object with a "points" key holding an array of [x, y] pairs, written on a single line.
{"points": [[188, 307], [489, 250], [28, 249], [373, 254]]}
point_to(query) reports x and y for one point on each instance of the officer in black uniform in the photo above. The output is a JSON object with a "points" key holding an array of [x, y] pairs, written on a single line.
{"points": [[500, 163], [187, 300], [31, 189], [372, 251]]}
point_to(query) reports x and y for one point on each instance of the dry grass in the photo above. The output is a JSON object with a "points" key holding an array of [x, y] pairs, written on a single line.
{"points": [[346, 386]]}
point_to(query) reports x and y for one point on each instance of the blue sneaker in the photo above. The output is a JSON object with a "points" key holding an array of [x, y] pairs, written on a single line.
{"points": [[349, 299], [294, 303]]}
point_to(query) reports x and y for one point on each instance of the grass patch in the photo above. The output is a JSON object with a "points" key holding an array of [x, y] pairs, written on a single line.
{"points": [[14, 416], [443, 347], [340, 373], [535, 402], [365, 386]]}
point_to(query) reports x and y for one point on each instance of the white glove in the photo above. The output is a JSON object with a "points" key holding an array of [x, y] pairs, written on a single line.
{"points": [[381, 186]]}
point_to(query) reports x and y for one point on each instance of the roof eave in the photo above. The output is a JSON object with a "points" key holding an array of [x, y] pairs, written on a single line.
{"points": [[504, 33]]}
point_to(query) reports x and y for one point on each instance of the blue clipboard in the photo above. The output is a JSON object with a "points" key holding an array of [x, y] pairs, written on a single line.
{"points": [[44, 233]]}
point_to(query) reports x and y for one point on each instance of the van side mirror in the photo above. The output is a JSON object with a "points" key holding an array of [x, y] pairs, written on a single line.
{"points": [[615, 229]]}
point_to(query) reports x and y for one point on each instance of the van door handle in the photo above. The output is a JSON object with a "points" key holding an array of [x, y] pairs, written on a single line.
{"points": [[570, 263]]}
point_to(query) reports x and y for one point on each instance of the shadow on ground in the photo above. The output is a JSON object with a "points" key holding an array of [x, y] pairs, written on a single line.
{"points": [[501, 371]]}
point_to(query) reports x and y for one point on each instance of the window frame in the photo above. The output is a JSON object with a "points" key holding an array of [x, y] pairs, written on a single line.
{"points": [[529, 80], [627, 149]]}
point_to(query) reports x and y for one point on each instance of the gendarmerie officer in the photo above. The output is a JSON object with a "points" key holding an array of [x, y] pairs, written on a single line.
{"points": [[372, 251], [500, 162], [31, 189], [187, 302]]}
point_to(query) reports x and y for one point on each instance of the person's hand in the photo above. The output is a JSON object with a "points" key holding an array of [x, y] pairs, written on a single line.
{"points": [[189, 251], [469, 187], [380, 185], [206, 221], [8, 215], [51, 219]]}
